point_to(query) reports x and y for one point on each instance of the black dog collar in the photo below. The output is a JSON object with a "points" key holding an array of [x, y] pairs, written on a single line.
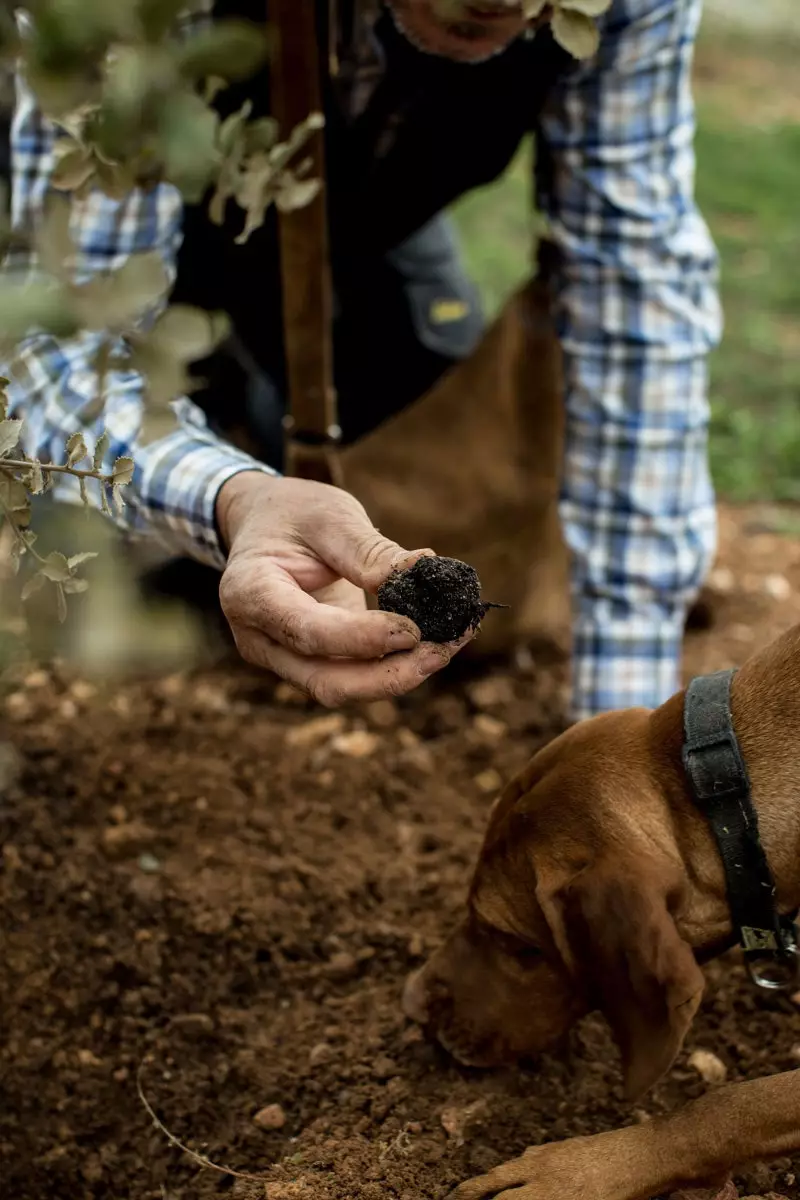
{"points": [[716, 770]]}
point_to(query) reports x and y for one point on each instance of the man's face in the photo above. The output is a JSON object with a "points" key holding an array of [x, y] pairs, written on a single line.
{"points": [[462, 30]]}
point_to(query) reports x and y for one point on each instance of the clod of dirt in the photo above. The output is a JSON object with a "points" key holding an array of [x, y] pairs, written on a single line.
{"points": [[710, 1068], [459, 1122], [271, 1117], [442, 596]]}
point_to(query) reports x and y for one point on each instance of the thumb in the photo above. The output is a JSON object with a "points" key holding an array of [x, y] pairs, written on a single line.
{"points": [[357, 551]]}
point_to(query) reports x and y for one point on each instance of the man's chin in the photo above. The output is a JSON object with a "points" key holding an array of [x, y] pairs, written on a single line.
{"points": [[464, 41]]}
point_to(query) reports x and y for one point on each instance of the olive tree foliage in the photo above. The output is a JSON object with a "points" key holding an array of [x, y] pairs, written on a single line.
{"points": [[129, 85]]}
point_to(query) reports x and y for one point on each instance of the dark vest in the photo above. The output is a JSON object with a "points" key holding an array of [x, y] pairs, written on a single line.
{"points": [[431, 131]]}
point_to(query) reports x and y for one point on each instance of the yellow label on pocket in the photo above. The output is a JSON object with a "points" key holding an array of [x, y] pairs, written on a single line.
{"points": [[443, 312]]}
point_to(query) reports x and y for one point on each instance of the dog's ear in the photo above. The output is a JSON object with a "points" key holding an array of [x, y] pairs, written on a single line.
{"points": [[617, 936]]}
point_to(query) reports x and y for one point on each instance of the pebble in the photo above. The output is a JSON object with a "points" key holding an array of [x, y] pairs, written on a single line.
{"points": [[384, 1067], [321, 1054], [795, 1052], [488, 781], [358, 743], [382, 714], [149, 864], [488, 729], [127, 836], [491, 692], [271, 1117], [709, 1067], [86, 1058], [314, 732], [194, 1024], [777, 587], [342, 966], [286, 693], [722, 580]]}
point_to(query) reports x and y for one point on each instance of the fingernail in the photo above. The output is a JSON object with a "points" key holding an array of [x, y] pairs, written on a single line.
{"points": [[433, 660], [403, 639]]}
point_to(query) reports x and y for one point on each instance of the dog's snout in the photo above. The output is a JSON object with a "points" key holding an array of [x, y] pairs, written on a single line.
{"points": [[415, 998]]}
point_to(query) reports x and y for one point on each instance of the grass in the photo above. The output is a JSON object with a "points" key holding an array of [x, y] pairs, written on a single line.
{"points": [[748, 185]]}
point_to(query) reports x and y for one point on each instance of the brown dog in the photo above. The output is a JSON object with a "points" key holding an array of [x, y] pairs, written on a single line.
{"points": [[600, 886]]}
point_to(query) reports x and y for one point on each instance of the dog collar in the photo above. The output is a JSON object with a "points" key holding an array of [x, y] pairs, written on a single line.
{"points": [[713, 761]]}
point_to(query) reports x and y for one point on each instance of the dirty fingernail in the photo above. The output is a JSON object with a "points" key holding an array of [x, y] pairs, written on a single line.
{"points": [[403, 639]]}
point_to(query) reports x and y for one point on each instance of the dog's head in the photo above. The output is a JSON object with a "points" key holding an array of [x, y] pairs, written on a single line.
{"points": [[572, 908]]}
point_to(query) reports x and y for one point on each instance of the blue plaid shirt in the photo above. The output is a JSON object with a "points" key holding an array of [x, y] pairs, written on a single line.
{"points": [[638, 314]]}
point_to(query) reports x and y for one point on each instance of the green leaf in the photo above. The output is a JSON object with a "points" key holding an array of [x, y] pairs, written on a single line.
{"points": [[533, 8], [230, 48], [77, 449], [33, 585], [589, 8], [118, 300], [10, 431], [576, 33], [15, 499], [100, 450], [25, 308], [187, 144], [123, 470], [188, 334], [73, 586], [76, 559], [74, 165], [56, 567]]}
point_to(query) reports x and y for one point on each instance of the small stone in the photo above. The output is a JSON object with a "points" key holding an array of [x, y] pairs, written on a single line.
{"points": [[342, 966], [488, 781], [358, 743], [68, 709], [412, 1036], [19, 706], [127, 836], [194, 1024], [37, 679], [314, 732], [777, 587], [149, 864], [86, 1058], [492, 692], [271, 1117], [414, 1128], [384, 1067], [286, 693], [82, 691], [321, 1054], [382, 714], [416, 946], [121, 1074], [722, 580], [118, 814], [407, 738], [794, 1052], [488, 729], [710, 1068], [457, 1122]]}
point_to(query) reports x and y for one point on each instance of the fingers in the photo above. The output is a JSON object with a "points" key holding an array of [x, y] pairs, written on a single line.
{"points": [[334, 683], [270, 603], [356, 550], [512, 1174]]}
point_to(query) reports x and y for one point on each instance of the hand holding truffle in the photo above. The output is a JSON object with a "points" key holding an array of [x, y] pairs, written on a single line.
{"points": [[300, 557]]}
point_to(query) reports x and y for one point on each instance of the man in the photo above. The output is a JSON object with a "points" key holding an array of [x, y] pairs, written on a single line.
{"points": [[425, 101]]}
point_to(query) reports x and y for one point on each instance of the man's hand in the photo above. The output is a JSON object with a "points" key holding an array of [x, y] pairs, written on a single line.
{"points": [[300, 557]]}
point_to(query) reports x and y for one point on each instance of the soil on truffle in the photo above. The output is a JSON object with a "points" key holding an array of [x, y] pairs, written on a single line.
{"points": [[442, 596], [197, 870]]}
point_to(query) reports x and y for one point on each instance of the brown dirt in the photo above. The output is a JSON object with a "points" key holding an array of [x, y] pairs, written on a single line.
{"points": [[195, 870]]}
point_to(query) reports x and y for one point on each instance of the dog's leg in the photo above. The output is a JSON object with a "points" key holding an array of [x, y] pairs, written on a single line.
{"points": [[707, 1139]]}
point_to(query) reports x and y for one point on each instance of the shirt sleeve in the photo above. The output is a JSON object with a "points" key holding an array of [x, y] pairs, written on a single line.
{"points": [[54, 385], [637, 313]]}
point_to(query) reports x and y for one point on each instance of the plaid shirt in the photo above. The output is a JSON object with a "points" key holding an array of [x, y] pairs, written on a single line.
{"points": [[638, 314]]}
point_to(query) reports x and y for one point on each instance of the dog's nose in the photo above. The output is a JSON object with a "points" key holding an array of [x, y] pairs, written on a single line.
{"points": [[415, 1000]]}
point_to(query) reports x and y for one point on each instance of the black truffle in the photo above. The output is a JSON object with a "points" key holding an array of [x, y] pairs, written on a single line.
{"points": [[442, 596]]}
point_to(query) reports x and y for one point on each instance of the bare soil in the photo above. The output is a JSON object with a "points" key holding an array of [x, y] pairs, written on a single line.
{"points": [[207, 871]]}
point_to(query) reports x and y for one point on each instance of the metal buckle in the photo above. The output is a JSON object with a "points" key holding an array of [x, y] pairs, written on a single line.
{"points": [[777, 972]]}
